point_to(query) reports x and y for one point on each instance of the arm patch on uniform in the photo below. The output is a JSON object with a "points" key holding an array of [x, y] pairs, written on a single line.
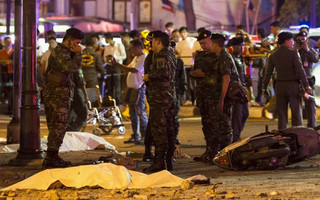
{"points": [[161, 63]]}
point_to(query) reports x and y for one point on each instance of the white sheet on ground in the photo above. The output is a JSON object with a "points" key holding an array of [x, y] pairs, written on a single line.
{"points": [[73, 141], [105, 175]]}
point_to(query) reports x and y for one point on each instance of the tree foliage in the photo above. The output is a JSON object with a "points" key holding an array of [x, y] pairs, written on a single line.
{"points": [[292, 12]]}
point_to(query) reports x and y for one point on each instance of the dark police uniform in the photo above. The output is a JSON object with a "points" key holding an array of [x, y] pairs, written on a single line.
{"points": [[161, 97], [307, 59], [240, 112], [290, 72]]}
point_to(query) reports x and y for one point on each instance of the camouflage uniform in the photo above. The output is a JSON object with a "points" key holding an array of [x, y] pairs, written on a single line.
{"points": [[181, 87], [205, 61], [161, 96], [221, 134], [79, 110], [58, 92], [240, 112]]}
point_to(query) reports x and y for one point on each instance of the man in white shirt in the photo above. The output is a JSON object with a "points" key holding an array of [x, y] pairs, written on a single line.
{"points": [[135, 69], [184, 50], [117, 51]]}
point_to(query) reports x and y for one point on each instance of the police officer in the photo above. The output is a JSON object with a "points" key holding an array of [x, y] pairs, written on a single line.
{"points": [[308, 57], [204, 62], [290, 72], [64, 62], [240, 112], [161, 97]]}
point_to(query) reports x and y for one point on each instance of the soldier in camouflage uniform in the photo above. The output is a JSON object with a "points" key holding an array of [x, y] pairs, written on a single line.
{"points": [[204, 63], [161, 96], [221, 135], [64, 61]]}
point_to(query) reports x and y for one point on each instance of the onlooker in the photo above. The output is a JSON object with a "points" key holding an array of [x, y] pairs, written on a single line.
{"points": [[117, 51], [91, 64], [6, 73], [169, 28], [184, 50], [175, 36], [45, 58], [275, 29], [135, 69]]}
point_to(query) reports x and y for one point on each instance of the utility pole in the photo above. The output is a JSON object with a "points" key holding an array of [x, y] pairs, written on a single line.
{"points": [[134, 14], [8, 18], [30, 149], [13, 128], [313, 14]]}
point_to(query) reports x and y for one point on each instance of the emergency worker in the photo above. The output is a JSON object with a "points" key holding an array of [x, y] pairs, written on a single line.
{"points": [[161, 97], [64, 62], [290, 73], [240, 112], [308, 57], [204, 65], [222, 73]]}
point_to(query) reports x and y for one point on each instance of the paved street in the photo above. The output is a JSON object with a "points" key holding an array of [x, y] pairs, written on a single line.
{"points": [[299, 181]]}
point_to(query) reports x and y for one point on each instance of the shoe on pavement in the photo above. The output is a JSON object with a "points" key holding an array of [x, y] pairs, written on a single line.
{"points": [[187, 103], [131, 140], [55, 162]]}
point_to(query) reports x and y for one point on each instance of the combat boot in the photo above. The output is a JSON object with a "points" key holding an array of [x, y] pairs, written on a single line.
{"points": [[148, 155], [52, 160], [158, 164], [204, 155], [169, 160]]}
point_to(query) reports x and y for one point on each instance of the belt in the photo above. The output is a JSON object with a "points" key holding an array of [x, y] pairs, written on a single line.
{"points": [[288, 80]]}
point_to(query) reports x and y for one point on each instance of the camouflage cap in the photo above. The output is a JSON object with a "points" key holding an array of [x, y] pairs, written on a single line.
{"points": [[203, 35]]}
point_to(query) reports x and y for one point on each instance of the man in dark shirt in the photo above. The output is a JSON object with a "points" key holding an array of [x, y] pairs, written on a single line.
{"points": [[290, 73], [308, 57]]}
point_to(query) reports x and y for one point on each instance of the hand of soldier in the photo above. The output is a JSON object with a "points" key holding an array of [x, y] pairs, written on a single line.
{"points": [[197, 73], [308, 90], [145, 78], [220, 106], [75, 48]]}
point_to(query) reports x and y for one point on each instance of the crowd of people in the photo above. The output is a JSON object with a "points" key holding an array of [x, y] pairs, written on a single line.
{"points": [[167, 69]]}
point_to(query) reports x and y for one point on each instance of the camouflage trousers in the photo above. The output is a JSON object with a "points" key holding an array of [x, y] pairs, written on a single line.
{"points": [[215, 127], [162, 126], [57, 109]]}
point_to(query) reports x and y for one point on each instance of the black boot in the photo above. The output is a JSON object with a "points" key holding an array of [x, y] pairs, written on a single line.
{"points": [[204, 155], [169, 160], [158, 163], [148, 155], [53, 160]]}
